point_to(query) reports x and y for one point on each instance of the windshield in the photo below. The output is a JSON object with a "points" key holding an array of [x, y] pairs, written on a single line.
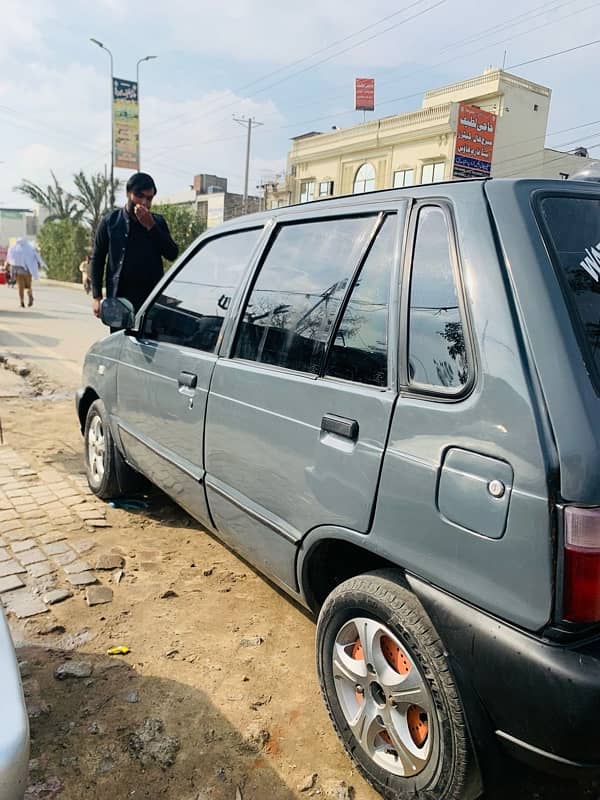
{"points": [[572, 231]]}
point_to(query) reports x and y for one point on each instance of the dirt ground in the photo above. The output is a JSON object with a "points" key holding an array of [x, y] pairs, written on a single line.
{"points": [[218, 698], [221, 669]]}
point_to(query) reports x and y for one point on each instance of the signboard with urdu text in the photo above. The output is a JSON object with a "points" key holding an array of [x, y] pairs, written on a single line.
{"points": [[475, 132], [126, 130], [364, 94]]}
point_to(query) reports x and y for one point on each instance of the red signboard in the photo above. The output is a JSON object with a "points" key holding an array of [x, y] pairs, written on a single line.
{"points": [[475, 132], [364, 94]]}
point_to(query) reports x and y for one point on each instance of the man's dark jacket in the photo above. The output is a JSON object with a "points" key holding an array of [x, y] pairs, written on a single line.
{"points": [[111, 241]]}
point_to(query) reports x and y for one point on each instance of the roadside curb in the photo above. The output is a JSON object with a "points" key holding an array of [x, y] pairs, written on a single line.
{"points": [[65, 284]]}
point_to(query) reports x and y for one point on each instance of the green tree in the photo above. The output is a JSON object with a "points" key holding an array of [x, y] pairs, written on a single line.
{"points": [[63, 244], [93, 193], [183, 222], [59, 203]]}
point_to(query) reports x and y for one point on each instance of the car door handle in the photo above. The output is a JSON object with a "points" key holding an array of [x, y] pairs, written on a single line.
{"points": [[187, 379], [348, 428]]}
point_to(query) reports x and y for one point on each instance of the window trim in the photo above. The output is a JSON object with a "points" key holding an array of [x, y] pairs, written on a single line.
{"points": [[374, 214], [174, 271], [426, 391]]}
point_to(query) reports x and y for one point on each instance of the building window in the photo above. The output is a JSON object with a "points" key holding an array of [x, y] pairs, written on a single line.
{"points": [[404, 177], [307, 191], [365, 179], [433, 173], [325, 188]]}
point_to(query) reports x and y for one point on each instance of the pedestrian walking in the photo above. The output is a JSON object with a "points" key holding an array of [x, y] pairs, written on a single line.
{"points": [[130, 245], [84, 268], [24, 265]]}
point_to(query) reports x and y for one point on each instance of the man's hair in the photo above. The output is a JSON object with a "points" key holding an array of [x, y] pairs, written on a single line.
{"points": [[140, 182]]}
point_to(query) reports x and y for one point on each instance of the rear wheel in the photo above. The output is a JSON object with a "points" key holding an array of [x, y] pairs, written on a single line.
{"points": [[389, 691], [107, 472]]}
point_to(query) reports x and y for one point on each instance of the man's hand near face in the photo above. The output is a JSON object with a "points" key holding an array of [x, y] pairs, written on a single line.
{"points": [[143, 216]]}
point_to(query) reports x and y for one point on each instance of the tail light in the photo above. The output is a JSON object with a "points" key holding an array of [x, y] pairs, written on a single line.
{"points": [[581, 596]]}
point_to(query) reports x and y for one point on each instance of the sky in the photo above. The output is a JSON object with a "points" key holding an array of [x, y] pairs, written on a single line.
{"points": [[291, 66]]}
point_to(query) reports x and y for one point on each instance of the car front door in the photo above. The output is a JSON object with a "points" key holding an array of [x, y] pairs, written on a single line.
{"points": [[298, 414], [165, 371]]}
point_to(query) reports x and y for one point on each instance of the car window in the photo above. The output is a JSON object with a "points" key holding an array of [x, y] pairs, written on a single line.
{"points": [[192, 307], [359, 350], [437, 356], [290, 313], [573, 234]]}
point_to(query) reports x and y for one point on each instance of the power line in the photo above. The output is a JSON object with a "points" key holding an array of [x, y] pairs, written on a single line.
{"points": [[481, 35], [169, 123], [552, 55]]}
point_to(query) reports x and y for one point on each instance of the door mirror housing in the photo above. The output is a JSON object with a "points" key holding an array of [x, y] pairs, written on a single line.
{"points": [[117, 312]]}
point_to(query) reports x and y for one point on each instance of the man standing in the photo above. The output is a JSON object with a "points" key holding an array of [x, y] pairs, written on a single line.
{"points": [[134, 240], [24, 264]]}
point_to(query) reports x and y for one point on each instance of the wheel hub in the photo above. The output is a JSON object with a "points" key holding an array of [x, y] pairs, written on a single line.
{"points": [[384, 697]]}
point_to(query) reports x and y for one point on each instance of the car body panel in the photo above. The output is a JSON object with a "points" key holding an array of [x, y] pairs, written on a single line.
{"points": [[14, 723]]}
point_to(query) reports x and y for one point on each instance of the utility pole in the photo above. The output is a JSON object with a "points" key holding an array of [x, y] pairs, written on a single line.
{"points": [[112, 127], [249, 123]]}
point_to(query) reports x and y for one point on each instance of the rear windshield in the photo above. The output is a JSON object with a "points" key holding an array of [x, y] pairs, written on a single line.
{"points": [[573, 234]]}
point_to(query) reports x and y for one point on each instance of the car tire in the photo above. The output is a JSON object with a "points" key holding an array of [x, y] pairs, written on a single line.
{"points": [[390, 692], [107, 472]]}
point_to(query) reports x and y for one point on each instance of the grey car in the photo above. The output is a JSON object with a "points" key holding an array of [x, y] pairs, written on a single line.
{"points": [[388, 403], [14, 724]]}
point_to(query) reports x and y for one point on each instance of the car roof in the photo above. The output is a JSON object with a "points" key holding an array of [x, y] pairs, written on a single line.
{"points": [[442, 189]]}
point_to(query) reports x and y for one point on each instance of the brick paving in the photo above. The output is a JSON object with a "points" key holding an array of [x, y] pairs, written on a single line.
{"points": [[43, 515]]}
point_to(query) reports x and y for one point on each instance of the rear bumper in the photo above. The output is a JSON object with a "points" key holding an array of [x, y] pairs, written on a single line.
{"points": [[542, 700], [14, 725]]}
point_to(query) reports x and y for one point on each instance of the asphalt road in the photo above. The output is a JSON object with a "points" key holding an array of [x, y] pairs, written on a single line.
{"points": [[54, 334]]}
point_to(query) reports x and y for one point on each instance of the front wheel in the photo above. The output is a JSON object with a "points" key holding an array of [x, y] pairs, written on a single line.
{"points": [[390, 693], [107, 472]]}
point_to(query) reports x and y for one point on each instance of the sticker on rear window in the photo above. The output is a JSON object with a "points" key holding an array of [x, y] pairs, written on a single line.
{"points": [[591, 262]]}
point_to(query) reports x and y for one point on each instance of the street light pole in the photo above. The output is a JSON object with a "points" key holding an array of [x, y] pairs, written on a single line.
{"points": [[112, 127], [137, 82]]}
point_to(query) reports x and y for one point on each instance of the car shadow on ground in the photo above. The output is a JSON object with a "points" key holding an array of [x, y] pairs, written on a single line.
{"points": [[117, 733]]}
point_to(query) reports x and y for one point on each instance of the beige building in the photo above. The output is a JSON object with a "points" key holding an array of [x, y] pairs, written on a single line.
{"points": [[421, 146]]}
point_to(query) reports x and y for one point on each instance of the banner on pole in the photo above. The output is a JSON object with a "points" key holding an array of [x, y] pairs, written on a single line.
{"points": [[364, 94], [475, 133], [126, 124]]}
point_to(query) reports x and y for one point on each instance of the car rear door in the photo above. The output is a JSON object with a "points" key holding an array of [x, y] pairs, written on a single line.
{"points": [[299, 411]]}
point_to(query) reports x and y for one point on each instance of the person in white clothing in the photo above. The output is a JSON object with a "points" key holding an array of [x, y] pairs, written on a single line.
{"points": [[24, 265]]}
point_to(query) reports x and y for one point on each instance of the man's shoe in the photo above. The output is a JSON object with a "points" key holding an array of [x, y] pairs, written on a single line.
{"points": [[22, 305], [30, 303]]}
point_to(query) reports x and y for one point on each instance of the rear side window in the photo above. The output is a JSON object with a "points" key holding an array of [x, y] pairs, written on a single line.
{"points": [[360, 348], [437, 356], [572, 231], [290, 313], [191, 308]]}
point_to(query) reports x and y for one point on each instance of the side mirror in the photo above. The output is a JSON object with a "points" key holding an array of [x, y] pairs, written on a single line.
{"points": [[117, 312]]}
